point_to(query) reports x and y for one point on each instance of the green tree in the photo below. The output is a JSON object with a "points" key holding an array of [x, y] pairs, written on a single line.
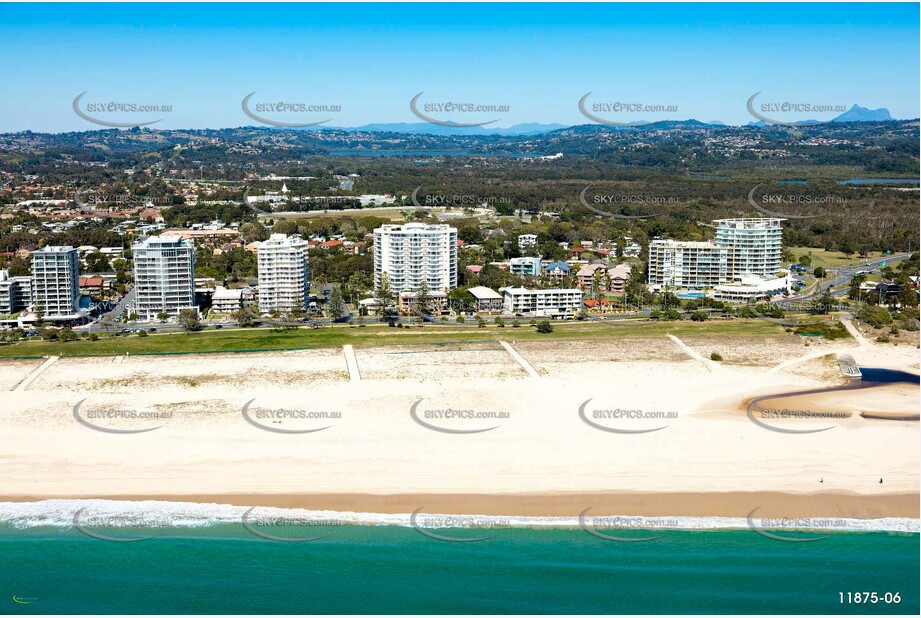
{"points": [[545, 327], [243, 317], [822, 305], [335, 307], [188, 319], [385, 297], [424, 299]]}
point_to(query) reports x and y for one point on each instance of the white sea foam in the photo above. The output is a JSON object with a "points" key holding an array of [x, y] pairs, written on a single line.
{"points": [[154, 513]]}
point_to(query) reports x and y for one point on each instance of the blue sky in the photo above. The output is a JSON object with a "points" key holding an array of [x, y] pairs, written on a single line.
{"points": [[371, 59]]}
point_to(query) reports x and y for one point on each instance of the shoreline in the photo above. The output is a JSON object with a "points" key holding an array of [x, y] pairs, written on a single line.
{"points": [[555, 505]]}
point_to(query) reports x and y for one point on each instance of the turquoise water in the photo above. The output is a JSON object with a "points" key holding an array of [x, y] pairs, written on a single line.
{"points": [[877, 181], [397, 570], [430, 153]]}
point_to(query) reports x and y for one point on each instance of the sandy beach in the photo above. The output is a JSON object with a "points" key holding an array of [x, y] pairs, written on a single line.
{"points": [[639, 425]]}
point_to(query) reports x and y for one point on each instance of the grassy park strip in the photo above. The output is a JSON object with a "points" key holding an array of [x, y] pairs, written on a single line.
{"points": [[376, 335]]}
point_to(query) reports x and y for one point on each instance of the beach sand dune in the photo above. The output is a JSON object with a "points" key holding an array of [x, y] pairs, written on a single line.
{"points": [[634, 421]]}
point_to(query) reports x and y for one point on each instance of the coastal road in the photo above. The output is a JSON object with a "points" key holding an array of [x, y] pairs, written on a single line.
{"points": [[844, 274]]}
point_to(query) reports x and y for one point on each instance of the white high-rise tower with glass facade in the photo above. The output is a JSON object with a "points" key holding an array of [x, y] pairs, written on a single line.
{"points": [[164, 275], [55, 281], [284, 273], [415, 252], [754, 245]]}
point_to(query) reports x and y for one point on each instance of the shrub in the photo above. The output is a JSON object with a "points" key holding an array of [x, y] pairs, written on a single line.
{"points": [[877, 317], [716, 356], [545, 327], [883, 339]]}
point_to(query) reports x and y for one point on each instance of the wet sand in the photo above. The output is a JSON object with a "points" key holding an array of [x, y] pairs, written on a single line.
{"points": [[678, 504]]}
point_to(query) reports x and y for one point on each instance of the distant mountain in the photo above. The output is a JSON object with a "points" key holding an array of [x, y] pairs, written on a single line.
{"points": [[855, 114], [427, 128], [583, 129], [863, 114]]}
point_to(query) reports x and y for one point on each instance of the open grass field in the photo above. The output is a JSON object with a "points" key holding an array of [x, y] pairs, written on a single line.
{"points": [[378, 335], [826, 259]]}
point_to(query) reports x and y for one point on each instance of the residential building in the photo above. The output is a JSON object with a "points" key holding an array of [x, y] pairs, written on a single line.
{"points": [[486, 300], [406, 303], [525, 266], [752, 287], [888, 289], [555, 302], [686, 264], [526, 241], [284, 273], [92, 285], [55, 281], [591, 277], [755, 245], [631, 250], [415, 252], [742, 248], [225, 300], [600, 278], [15, 293], [164, 275], [556, 270], [619, 277]]}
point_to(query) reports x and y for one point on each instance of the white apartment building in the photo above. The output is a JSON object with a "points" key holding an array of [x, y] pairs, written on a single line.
{"points": [[416, 252], [555, 302], [687, 265], [164, 275], [56, 281], [15, 293], [284, 273], [525, 266], [526, 241], [752, 287], [742, 248], [226, 300], [755, 245]]}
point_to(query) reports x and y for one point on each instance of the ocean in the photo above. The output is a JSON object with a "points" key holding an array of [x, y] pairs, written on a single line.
{"points": [[222, 568]]}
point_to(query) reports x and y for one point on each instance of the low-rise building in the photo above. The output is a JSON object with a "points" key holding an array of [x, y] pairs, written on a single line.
{"points": [[591, 277], [631, 250], [553, 302], [229, 300], [438, 303], [619, 277], [486, 300], [525, 266], [526, 241], [751, 287], [557, 270]]}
